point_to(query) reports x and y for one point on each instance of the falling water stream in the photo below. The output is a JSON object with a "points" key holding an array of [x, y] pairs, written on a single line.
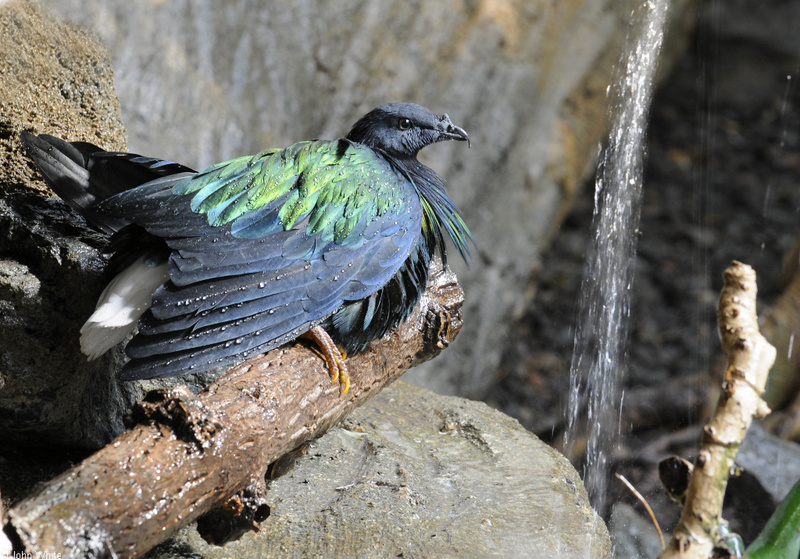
{"points": [[599, 362]]}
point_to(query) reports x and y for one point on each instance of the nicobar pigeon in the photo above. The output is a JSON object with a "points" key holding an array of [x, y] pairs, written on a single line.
{"points": [[329, 239]]}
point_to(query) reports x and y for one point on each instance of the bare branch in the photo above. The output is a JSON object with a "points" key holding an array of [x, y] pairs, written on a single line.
{"points": [[206, 455], [750, 357]]}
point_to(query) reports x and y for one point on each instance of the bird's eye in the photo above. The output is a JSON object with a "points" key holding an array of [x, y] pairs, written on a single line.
{"points": [[404, 124]]}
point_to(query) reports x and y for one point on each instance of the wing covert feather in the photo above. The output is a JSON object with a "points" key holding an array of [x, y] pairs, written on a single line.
{"points": [[265, 247]]}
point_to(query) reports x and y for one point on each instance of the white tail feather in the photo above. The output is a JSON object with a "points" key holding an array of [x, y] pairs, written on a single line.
{"points": [[120, 305]]}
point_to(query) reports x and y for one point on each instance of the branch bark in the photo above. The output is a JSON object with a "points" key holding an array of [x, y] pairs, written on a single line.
{"points": [[205, 457], [750, 358]]}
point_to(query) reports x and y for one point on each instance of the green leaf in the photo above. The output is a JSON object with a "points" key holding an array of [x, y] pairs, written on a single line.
{"points": [[780, 538]]}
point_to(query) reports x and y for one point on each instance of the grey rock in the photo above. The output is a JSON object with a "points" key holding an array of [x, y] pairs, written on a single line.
{"points": [[52, 77], [768, 26], [48, 280], [773, 461], [50, 277], [414, 474], [57, 79], [633, 535], [200, 82], [760, 46]]}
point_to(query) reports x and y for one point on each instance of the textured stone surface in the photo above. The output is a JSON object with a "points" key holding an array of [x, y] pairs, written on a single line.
{"points": [[633, 535], [204, 81], [53, 78], [415, 474], [50, 277], [773, 461]]}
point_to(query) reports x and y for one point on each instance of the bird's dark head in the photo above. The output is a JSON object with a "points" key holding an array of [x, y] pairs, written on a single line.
{"points": [[402, 129]]}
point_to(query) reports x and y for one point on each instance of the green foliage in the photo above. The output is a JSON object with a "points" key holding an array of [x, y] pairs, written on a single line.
{"points": [[780, 538]]}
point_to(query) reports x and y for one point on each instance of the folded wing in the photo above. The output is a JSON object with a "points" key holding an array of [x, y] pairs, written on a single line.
{"points": [[264, 248]]}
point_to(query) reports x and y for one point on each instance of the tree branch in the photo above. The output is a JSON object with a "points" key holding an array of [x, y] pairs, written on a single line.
{"points": [[206, 455], [750, 358]]}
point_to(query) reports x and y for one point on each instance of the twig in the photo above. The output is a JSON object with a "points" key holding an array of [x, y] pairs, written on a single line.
{"points": [[204, 457], [642, 500], [750, 357]]}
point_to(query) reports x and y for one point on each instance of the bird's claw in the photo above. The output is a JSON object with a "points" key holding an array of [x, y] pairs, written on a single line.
{"points": [[334, 357], [338, 368]]}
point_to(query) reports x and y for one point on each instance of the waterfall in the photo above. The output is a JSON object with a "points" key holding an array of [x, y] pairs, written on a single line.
{"points": [[599, 360]]}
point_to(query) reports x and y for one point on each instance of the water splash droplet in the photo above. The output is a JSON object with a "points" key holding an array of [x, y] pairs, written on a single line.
{"points": [[601, 335]]}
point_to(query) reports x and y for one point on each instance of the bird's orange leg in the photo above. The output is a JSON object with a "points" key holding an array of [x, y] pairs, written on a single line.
{"points": [[332, 354]]}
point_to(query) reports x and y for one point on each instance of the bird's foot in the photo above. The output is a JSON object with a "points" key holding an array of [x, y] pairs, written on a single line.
{"points": [[334, 357]]}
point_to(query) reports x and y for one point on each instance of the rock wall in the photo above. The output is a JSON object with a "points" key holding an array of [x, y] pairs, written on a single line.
{"points": [[55, 79], [203, 81]]}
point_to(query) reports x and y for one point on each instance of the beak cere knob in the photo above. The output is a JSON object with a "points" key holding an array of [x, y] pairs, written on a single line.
{"points": [[455, 132]]}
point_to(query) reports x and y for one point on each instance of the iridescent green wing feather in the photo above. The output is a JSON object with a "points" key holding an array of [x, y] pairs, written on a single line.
{"points": [[332, 184]]}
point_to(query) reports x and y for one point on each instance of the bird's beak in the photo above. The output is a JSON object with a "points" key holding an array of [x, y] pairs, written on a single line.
{"points": [[450, 131]]}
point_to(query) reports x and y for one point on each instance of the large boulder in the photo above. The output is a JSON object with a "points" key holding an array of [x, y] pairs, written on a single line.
{"points": [[415, 474], [527, 79], [56, 79]]}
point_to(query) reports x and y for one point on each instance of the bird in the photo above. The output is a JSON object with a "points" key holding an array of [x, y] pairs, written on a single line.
{"points": [[325, 239]]}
